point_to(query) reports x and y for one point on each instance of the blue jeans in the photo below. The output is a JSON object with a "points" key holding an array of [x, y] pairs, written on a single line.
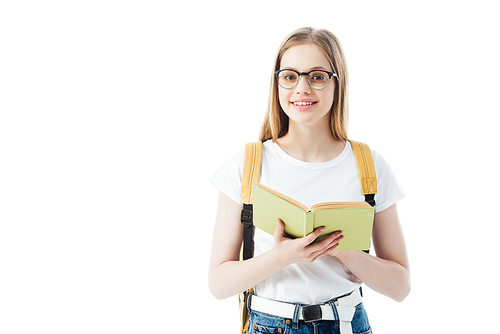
{"points": [[261, 323]]}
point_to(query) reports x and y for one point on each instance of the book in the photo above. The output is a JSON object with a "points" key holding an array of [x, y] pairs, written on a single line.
{"points": [[354, 219]]}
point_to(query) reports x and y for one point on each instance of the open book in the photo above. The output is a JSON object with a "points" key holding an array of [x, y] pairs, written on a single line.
{"points": [[354, 219]]}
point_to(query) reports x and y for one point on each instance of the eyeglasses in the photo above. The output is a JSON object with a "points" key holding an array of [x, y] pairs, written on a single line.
{"points": [[317, 79]]}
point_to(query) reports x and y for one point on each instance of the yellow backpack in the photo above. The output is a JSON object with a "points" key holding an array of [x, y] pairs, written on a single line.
{"points": [[251, 174]]}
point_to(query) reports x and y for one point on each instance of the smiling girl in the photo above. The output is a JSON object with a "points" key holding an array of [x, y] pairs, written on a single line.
{"points": [[301, 286]]}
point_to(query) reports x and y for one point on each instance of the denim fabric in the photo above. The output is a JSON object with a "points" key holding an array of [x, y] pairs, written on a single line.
{"points": [[261, 323]]}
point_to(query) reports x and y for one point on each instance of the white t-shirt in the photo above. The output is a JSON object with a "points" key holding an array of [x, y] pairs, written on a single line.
{"points": [[308, 183]]}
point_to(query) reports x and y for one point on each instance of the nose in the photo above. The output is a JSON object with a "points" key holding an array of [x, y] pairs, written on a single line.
{"points": [[303, 85]]}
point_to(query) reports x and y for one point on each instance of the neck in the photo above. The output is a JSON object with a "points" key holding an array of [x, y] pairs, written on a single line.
{"points": [[310, 143]]}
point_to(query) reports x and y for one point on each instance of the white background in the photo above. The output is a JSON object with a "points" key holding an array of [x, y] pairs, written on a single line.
{"points": [[115, 113]]}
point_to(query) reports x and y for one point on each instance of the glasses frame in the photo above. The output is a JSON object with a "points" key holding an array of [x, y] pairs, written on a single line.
{"points": [[330, 74]]}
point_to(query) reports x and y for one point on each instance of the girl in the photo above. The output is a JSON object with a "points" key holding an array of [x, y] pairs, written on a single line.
{"points": [[306, 156]]}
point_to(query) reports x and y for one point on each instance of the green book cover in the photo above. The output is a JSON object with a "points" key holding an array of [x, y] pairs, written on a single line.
{"points": [[354, 219]]}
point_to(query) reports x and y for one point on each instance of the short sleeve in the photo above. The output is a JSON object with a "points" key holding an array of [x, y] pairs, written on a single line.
{"points": [[388, 190], [227, 179]]}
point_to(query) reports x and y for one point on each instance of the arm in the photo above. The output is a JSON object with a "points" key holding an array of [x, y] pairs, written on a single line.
{"points": [[228, 276], [387, 273]]}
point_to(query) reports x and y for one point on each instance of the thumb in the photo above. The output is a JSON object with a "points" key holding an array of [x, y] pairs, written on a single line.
{"points": [[279, 231]]}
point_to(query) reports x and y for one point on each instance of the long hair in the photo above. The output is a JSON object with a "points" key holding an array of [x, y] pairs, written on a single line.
{"points": [[276, 121]]}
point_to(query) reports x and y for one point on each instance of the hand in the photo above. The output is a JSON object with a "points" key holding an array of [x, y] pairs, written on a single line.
{"points": [[303, 249]]}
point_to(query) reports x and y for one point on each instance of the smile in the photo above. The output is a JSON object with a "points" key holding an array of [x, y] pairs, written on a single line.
{"points": [[304, 103]]}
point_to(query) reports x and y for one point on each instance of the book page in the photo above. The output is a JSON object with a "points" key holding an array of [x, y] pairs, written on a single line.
{"points": [[339, 205], [319, 206], [286, 198]]}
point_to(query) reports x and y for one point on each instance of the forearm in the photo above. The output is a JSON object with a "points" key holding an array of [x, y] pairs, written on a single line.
{"points": [[386, 277], [228, 277], [232, 277]]}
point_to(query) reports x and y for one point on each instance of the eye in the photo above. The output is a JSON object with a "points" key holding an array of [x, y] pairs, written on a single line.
{"points": [[289, 76], [318, 76]]}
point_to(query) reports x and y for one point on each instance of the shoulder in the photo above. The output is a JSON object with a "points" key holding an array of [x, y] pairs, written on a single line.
{"points": [[381, 165], [236, 162], [227, 178]]}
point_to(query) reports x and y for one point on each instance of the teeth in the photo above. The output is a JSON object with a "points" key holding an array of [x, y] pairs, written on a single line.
{"points": [[303, 103]]}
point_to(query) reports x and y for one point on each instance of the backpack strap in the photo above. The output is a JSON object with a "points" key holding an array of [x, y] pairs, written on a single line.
{"points": [[251, 170], [251, 174], [366, 170]]}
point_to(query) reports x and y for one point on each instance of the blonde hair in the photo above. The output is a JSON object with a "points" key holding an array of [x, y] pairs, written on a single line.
{"points": [[276, 121]]}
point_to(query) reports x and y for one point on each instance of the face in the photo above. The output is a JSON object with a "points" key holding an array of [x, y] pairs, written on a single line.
{"points": [[303, 104]]}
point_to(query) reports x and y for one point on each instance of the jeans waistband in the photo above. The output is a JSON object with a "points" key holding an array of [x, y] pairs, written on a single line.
{"points": [[340, 309]]}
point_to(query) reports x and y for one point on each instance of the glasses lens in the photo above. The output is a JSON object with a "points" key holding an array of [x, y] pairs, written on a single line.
{"points": [[287, 79], [318, 79]]}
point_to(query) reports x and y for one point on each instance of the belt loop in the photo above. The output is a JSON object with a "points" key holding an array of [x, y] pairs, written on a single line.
{"points": [[295, 320], [249, 301], [335, 312]]}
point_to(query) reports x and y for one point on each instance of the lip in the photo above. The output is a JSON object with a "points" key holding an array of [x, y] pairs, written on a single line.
{"points": [[305, 107]]}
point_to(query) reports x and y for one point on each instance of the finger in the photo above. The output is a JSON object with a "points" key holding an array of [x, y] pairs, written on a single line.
{"points": [[279, 232], [309, 239], [326, 242], [326, 251], [331, 245], [334, 252], [326, 245], [337, 237]]}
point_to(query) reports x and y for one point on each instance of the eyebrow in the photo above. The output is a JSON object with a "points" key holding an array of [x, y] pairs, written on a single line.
{"points": [[311, 69]]}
